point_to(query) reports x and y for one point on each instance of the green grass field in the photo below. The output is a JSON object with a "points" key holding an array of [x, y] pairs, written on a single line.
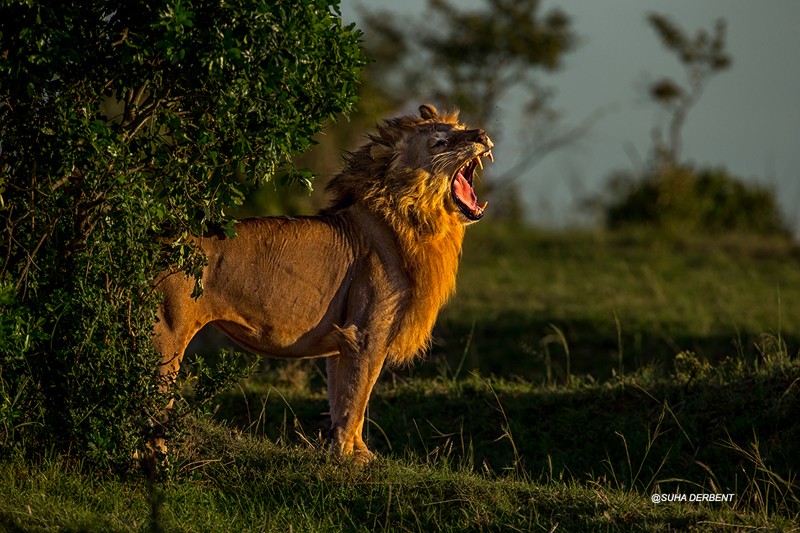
{"points": [[574, 376]]}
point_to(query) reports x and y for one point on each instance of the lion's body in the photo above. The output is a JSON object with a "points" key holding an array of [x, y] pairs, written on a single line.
{"points": [[322, 271], [359, 284]]}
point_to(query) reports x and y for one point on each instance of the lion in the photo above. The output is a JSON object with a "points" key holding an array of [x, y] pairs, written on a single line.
{"points": [[360, 284]]}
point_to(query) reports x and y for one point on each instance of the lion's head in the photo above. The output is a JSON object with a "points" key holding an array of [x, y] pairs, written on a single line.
{"points": [[416, 172]]}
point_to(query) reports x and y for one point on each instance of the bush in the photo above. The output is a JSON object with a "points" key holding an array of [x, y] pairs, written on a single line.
{"points": [[682, 199], [126, 125]]}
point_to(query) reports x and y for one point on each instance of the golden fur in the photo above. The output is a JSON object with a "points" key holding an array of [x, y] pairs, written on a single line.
{"points": [[361, 283]]}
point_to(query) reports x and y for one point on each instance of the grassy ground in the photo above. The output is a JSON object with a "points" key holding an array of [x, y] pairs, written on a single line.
{"points": [[235, 483], [620, 301], [573, 377]]}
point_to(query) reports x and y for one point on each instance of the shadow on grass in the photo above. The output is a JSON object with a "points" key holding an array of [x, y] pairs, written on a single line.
{"points": [[542, 350], [636, 432]]}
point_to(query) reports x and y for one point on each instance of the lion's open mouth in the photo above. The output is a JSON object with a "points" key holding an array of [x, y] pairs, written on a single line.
{"points": [[463, 192]]}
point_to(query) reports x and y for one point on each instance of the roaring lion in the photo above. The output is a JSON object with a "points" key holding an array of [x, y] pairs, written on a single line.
{"points": [[361, 283]]}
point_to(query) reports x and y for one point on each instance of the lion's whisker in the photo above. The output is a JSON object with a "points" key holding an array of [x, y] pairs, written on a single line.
{"points": [[441, 161]]}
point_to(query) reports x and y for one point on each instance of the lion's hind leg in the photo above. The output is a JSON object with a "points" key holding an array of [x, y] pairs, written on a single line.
{"points": [[171, 341], [175, 328]]}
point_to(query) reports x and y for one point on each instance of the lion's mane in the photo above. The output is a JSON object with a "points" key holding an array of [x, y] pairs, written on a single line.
{"points": [[409, 200]]}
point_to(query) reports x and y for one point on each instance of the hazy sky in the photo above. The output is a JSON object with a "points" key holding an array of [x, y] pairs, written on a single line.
{"points": [[748, 119]]}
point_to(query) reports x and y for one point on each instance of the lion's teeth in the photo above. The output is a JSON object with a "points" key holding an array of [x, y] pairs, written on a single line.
{"points": [[480, 164], [491, 157]]}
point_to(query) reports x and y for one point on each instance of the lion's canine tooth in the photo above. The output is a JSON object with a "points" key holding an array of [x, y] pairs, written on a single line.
{"points": [[478, 159]]}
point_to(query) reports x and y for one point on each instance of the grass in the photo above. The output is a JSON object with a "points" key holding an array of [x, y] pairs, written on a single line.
{"points": [[574, 376], [620, 301], [253, 485]]}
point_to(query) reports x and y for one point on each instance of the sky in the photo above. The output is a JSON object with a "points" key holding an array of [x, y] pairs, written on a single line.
{"points": [[747, 120]]}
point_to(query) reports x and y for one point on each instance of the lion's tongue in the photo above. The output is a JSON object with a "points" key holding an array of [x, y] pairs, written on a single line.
{"points": [[464, 191]]}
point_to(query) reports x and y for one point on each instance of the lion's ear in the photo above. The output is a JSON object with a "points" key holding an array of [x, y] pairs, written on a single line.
{"points": [[380, 153], [428, 112]]}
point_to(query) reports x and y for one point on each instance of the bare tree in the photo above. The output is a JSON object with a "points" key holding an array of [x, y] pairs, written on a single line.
{"points": [[701, 57]]}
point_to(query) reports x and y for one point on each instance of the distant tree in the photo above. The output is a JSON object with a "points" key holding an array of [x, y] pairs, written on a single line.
{"points": [[471, 58], [126, 125], [670, 193]]}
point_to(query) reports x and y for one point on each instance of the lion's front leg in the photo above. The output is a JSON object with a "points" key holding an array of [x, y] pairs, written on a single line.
{"points": [[351, 378]]}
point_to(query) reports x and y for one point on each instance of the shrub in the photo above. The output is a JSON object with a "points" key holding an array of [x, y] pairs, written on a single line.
{"points": [[126, 125], [683, 199]]}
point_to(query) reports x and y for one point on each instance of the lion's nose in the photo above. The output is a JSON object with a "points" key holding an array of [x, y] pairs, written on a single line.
{"points": [[476, 136], [482, 138]]}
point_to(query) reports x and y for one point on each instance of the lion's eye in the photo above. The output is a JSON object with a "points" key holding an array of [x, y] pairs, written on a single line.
{"points": [[440, 142]]}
